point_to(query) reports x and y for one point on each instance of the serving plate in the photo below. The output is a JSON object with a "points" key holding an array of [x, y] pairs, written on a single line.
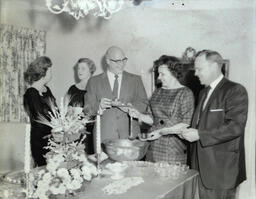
{"points": [[156, 134]]}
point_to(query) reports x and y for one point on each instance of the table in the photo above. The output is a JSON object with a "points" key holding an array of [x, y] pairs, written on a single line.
{"points": [[153, 187]]}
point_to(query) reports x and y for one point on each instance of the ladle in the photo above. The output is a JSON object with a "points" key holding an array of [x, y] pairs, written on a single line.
{"points": [[130, 130]]}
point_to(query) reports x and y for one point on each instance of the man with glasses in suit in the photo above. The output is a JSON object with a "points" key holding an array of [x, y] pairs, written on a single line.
{"points": [[115, 85]]}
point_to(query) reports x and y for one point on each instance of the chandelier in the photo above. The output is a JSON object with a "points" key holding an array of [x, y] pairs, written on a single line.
{"points": [[81, 8]]}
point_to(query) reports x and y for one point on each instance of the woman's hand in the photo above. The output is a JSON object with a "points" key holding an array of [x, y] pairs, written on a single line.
{"points": [[134, 113]]}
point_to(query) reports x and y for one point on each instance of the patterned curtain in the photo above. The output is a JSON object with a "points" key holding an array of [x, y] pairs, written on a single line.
{"points": [[18, 47]]}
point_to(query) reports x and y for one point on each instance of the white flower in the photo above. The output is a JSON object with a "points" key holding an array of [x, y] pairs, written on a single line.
{"points": [[41, 192], [75, 173], [52, 167], [58, 189], [87, 176], [47, 177], [58, 158], [63, 172], [62, 189], [41, 172], [91, 168], [41, 195], [54, 190], [74, 185], [86, 173]]}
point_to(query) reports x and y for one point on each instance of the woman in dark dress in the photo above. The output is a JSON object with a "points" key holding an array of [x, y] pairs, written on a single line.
{"points": [[36, 102], [169, 105], [84, 69]]}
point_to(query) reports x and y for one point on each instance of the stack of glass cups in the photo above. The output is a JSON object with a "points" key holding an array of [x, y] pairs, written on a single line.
{"points": [[173, 170]]}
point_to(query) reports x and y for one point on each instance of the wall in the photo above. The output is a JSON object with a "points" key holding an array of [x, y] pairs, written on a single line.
{"points": [[145, 33], [11, 146]]}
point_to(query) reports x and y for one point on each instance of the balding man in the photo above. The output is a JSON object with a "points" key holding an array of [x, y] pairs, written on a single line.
{"points": [[115, 83], [217, 131]]}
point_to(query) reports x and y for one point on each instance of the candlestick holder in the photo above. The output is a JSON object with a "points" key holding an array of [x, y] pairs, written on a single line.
{"points": [[28, 186], [98, 143], [99, 164], [130, 137]]}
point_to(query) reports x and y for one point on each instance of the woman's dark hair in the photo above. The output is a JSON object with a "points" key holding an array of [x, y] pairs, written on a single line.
{"points": [[89, 62], [173, 64], [37, 69]]}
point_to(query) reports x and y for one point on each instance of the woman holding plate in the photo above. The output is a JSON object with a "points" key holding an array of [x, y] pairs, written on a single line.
{"points": [[171, 107]]}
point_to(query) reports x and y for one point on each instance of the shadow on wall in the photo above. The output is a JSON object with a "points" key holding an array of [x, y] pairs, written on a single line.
{"points": [[67, 22]]}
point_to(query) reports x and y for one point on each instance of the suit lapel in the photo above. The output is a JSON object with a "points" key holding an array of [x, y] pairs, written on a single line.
{"points": [[220, 84], [196, 114], [106, 85], [198, 108]]}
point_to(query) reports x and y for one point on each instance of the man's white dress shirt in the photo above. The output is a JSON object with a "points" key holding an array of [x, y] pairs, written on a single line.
{"points": [[213, 86]]}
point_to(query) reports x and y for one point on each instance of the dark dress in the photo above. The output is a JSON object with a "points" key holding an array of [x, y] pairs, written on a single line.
{"points": [[76, 96], [34, 105], [168, 107], [77, 100]]}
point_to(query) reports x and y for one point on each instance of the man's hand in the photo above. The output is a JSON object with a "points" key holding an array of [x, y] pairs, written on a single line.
{"points": [[105, 103], [126, 108], [175, 129], [134, 113], [190, 134]]}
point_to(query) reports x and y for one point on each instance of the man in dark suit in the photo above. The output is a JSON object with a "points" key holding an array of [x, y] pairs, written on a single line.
{"points": [[115, 83], [217, 132]]}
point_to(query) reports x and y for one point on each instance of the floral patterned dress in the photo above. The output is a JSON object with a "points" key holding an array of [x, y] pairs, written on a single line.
{"points": [[169, 107]]}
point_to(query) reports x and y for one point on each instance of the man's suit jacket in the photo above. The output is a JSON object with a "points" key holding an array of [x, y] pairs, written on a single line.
{"points": [[114, 122], [219, 154]]}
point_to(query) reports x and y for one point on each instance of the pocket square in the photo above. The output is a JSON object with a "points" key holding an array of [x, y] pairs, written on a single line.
{"points": [[216, 110]]}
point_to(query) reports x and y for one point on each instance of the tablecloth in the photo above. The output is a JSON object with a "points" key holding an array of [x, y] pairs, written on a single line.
{"points": [[153, 187]]}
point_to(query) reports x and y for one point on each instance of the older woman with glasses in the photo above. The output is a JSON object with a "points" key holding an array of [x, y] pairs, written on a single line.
{"points": [[169, 105]]}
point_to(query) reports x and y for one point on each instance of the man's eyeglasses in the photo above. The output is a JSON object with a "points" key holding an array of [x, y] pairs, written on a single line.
{"points": [[118, 61]]}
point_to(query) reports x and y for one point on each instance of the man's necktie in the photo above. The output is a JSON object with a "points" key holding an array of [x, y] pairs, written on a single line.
{"points": [[115, 89], [201, 105]]}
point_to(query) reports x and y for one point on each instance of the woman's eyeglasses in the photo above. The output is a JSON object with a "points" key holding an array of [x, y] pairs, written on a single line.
{"points": [[118, 61]]}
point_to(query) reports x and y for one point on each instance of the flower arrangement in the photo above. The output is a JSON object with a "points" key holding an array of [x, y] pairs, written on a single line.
{"points": [[67, 122], [66, 170], [67, 165]]}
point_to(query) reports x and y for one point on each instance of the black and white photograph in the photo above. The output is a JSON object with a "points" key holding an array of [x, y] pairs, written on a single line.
{"points": [[122, 99]]}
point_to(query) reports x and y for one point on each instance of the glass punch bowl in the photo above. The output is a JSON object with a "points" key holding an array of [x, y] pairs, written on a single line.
{"points": [[125, 149]]}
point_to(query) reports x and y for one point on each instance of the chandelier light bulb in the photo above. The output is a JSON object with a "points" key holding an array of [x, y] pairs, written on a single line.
{"points": [[80, 8]]}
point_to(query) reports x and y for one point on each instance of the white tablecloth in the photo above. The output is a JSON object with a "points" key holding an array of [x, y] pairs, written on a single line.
{"points": [[153, 187]]}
